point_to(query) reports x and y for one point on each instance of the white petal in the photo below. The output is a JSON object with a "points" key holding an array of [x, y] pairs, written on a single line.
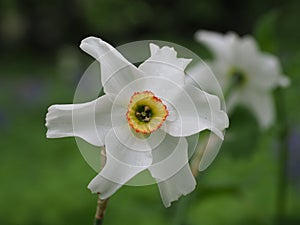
{"points": [[271, 69], [172, 111], [116, 71], [89, 121], [207, 77], [265, 73], [221, 45], [200, 75], [153, 48], [170, 169], [262, 105], [182, 183], [197, 111], [210, 151], [284, 81], [245, 51], [169, 157], [193, 141], [233, 99], [122, 164], [164, 62], [162, 88]]}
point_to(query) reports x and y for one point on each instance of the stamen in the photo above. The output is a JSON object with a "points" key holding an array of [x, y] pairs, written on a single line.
{"points": [[146, 113], [143, 113]]}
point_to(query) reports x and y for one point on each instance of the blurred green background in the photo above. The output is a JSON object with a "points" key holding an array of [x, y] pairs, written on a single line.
{"points": [[43, 181]]}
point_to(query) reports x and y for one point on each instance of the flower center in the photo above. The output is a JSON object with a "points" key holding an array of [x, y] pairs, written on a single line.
{"points": [[143, 113], [238, 77], [146, 112]]}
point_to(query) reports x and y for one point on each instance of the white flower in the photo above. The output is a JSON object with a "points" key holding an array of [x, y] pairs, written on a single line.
{"points": [[247, 75], [144, 120]]}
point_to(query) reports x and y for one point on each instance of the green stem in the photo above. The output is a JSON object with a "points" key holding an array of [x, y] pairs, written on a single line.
{"points": [[101, 203], [98, 221], [282, 162], [183, 204], [101, 207], [181, 210]]}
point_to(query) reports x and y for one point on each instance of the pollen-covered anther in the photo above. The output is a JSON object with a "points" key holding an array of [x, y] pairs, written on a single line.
{"points": [[146, 112]]}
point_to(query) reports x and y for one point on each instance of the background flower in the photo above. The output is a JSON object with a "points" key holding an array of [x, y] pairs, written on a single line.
{"points": [[247, 75]]}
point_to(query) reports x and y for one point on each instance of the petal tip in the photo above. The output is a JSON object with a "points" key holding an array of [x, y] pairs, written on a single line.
{"points": [[203, 34], [92, 188], [48, 134], [284, 81], [153, 48], [89, 40]]}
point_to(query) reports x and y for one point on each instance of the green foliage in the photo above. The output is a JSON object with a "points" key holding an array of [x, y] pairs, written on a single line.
{"points": [[266, 31]]}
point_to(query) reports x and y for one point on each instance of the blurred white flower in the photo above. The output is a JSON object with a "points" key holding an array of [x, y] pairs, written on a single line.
{"points": [[143, 120], [247, 75]]}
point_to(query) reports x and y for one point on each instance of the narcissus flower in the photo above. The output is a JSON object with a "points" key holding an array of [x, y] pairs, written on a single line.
{"points": [[247, 75], [145, 120]]}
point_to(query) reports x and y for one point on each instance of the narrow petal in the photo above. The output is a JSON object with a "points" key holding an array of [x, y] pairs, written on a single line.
{"points": [[193, 141], [164, 62], [182, 183], [153, 48], [221, 45], [89, 121], [197, 111], [122, 164], [283, 81], [206, 76], [168, 157], [209, 150], [233, 100], [171, 170], [116, 71], [200, 75], [270, 66], [161, 87], [262, 105], [246, 49], [266, 73]]}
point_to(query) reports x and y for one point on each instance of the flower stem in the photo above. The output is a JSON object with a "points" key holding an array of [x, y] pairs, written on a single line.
{"points": [[197, 158], [282, 162], [182, 209], [184, 203], [101, 203], [101, 207]]}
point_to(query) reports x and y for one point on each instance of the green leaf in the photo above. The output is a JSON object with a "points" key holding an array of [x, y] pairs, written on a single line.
{"points": [[265, 31]]}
